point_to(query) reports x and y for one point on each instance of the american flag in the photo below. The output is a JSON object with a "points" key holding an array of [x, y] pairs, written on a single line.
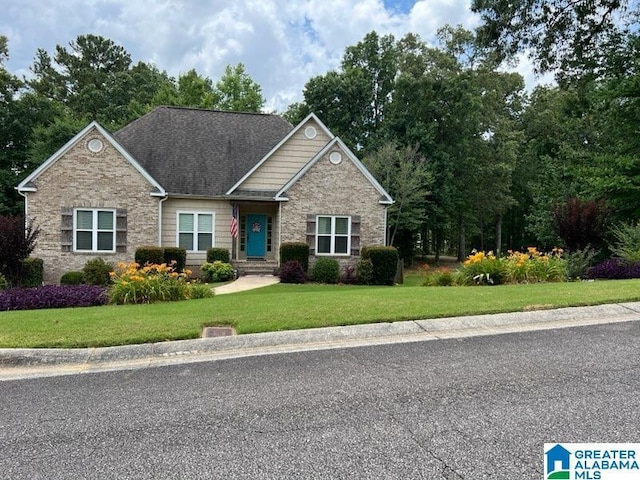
{"points": [[234, 221]]}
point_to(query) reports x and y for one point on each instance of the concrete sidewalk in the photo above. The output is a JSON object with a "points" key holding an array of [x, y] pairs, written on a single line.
{"points": [[26, 363], [247, 282]]}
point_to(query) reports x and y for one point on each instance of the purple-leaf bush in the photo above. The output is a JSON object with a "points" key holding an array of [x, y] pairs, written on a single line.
{"points": [[615, 269], [52, 296], [292, 272]]}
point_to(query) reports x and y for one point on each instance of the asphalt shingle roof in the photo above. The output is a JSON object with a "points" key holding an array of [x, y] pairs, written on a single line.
{"points": [[200, 152]]}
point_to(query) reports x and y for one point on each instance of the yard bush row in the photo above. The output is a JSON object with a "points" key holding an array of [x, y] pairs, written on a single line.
{"points": [[377, 266], [152, 255]]}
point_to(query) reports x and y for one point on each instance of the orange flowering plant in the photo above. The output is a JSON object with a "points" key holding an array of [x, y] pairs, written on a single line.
{"points": [[152, 283], [532, 266], [482, 268]]}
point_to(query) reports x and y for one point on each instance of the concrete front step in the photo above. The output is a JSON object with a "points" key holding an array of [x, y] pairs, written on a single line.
{"points": [[256, 267]]}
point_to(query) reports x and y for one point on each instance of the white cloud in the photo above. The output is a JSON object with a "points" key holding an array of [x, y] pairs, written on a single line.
{"points": [[281, 43]]}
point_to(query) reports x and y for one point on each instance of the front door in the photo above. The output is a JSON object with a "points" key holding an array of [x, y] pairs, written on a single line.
{"points": [[256, 235]]}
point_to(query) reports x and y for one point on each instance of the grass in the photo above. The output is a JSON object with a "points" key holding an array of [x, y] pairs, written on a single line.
{"points": [[287, 307]]}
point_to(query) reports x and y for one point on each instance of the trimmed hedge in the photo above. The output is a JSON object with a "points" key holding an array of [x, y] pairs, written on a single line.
{"points": [[384, 261], [151, 255], [177, 254], [325, 270], [218, 254], [295, 251], [72, 278], [32, 272]]}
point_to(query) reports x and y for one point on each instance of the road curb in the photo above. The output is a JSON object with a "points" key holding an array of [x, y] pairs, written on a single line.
{"points": [[328, 337]]}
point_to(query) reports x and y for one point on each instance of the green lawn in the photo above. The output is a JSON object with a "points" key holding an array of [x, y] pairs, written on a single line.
{"points": [[286, 307]]}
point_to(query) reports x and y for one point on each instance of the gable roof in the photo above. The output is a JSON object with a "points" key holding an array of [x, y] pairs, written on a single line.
{"points": [[385, 198], [27, 184], [201, 152], [266, 157]]}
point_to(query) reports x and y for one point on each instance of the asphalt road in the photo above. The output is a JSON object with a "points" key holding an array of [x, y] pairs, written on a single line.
{"points": [[469, 408]]}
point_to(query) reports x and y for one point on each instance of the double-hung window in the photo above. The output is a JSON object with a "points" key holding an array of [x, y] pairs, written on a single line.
{"points": [[94, 230], [195, 231], [333, 236]]}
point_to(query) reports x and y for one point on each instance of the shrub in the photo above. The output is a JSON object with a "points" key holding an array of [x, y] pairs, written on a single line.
{"points": [[579, 262], [384, 261], [218, 254], [292, 272], [97, 272], [52, 296], [364, 271], [149, 255], [349, 276], [580, 223], [199, 290], [32, 272], [149, 284], [627, 244], [325, 270], [482, 268], [217, 271], [441, 277], [72, 278], [177, 257], [297, 251], [614, 269], [3, 282], [16, 244]]}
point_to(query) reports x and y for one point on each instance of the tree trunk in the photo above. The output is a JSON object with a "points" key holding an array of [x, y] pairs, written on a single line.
{"points": [[462, 241], [499, 236]]}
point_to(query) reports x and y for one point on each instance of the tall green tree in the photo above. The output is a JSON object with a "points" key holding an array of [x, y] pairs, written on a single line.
{"points": [[404, 175], [353, 99], [569, 35], [461, 112], [190, 90], [237, 91], [12, 146], [91, 77]]}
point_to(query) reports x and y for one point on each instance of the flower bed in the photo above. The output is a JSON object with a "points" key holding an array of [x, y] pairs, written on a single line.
{"points": [[52, 296]]}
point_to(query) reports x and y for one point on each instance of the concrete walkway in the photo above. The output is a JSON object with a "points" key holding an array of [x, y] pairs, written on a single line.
{"points": [[29, 363], [248, 282]]}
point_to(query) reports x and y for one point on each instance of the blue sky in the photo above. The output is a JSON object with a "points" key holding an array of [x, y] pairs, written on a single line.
{"points": [[282, 43]]}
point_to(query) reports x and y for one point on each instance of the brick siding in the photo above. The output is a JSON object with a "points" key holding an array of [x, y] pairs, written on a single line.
{"points": [[81, 178]]}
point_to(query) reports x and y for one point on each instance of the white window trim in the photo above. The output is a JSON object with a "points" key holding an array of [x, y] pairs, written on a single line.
{"points": [[195, 232], [94, 230], [333, 235]]}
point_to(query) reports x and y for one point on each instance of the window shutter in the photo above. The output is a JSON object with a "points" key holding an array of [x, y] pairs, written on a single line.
{"points": [[121, 230], [66, 229], [311, 233], [355, 235]]}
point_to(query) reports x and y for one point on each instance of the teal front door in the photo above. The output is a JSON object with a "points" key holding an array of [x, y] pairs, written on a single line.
{"points": [[256, 235]]}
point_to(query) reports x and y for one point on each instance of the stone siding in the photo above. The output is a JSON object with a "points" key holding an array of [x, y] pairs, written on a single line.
{"points": [[328, 189], [81, 178]]}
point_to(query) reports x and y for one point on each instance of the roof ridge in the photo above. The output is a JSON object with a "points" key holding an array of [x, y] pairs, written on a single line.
{"points": [[217, 110]]}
